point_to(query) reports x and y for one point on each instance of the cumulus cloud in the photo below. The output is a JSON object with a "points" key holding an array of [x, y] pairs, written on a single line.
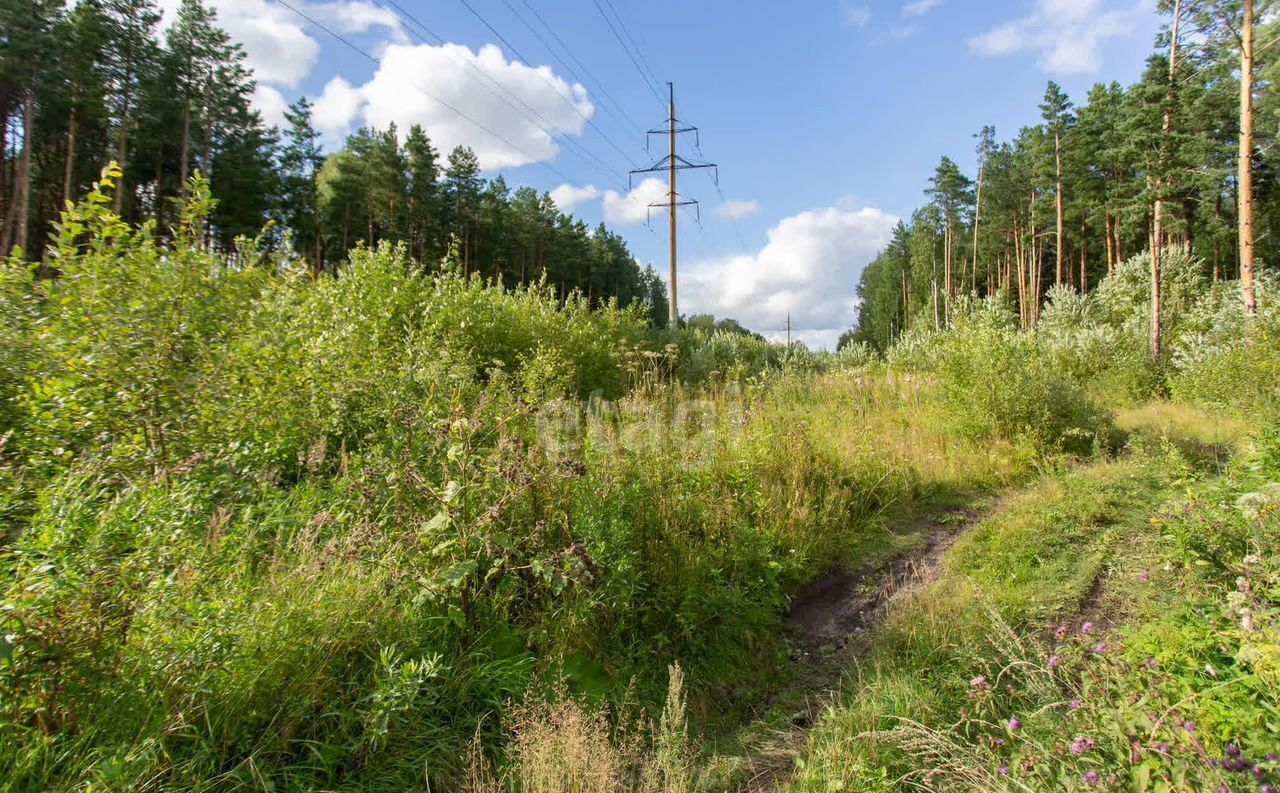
{"points": [[1066, 35], [428, 84], [355, 16], [737, 208], [276, 46], [919, 8], [634, 206], [276, 43], [568, 196], [270, 103], [809, 268], [335, 108]]}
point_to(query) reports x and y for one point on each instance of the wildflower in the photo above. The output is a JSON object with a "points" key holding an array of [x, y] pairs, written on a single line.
{"points": [[1271, 758], [978, 682], [1144, 577], [1091, 777], [1081, 744], [1099, 648], [1074, 704], [1014, 724], [1054, 661], [1189, 725], [1003, 769], [1060, 632], [1233, 750], [1086, 628], [1162, 747]]}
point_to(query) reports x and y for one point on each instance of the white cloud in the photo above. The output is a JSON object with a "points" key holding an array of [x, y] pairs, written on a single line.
{"points": [[276, 46], [859, 16], [634, 206], [337, 107], [809, 267], [568, 196], [919, 8], [276, 43], [271, 104], [1066, 35], [408, 77], [356, 16], [737, 208]]}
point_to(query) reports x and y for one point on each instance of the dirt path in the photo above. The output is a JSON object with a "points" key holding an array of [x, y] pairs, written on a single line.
{"points": [[832, 621]]}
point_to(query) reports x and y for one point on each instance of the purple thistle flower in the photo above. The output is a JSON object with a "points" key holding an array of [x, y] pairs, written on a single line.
{"points": [[978, 682], [1086, 628], [1054, 661], [1003, 769], [1271, 758], [1014, 724], [1099, 648], [1060, 632], [1189, 725], [1074, 704], [1091, 777], [1144, 577], [1080, 745], [1233, 750]]}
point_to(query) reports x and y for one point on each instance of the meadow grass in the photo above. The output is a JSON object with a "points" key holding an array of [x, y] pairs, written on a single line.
{"points": [[1063, 646]]}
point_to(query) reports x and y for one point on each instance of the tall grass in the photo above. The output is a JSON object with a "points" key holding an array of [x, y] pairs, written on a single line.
{"points": [[265, 530]]}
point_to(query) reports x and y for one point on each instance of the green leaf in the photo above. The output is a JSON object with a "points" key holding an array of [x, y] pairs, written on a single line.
{"points": [[455, 575]]}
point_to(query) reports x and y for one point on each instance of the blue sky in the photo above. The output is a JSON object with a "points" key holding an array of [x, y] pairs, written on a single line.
{"points": [[826, 116]]}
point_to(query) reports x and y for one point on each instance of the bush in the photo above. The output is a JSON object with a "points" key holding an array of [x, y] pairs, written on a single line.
{"points": [[1000, 383], [1225, 360]]}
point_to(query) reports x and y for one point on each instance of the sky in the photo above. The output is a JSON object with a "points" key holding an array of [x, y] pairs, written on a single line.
{"points": [[826, 117]]}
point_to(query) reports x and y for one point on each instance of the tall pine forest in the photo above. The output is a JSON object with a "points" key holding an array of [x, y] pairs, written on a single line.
{"points": [[98, 82]]}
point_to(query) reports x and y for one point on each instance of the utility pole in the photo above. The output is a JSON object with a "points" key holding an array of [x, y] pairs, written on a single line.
{"points": [[788, 330], [670, 164]]}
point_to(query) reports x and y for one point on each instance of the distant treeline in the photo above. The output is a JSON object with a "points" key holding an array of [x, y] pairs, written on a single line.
{"points": [[98, 81], [1066, 200]]}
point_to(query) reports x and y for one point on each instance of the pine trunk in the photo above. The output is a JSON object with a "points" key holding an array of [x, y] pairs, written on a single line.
{"points": [[69, 167], [186, 146], [23, 191], [1246, 162], [1060, 253]]}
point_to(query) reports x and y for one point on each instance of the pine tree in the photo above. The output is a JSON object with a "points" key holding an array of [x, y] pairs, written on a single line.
{"points": [[300, 162], [1056, 112]]}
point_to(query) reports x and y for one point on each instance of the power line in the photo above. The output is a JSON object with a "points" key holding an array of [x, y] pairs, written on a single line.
{"points": [[634, 43], [644, 77], [546, 125], [433, 97], [554, 87], [618, 112]]}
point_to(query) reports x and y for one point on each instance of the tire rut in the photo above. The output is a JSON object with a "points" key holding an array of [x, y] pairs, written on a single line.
{"points": [[832, 622]]}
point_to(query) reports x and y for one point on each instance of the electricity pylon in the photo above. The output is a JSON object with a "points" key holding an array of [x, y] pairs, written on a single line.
{"points": [[671, 163]]}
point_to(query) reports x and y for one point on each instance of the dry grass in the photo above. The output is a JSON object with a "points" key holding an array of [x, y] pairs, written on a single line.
{"points": [[560, 745]]}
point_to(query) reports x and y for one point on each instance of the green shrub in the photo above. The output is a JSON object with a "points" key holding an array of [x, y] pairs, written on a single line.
{"points": [[1000, 383], [1226, 360]]}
